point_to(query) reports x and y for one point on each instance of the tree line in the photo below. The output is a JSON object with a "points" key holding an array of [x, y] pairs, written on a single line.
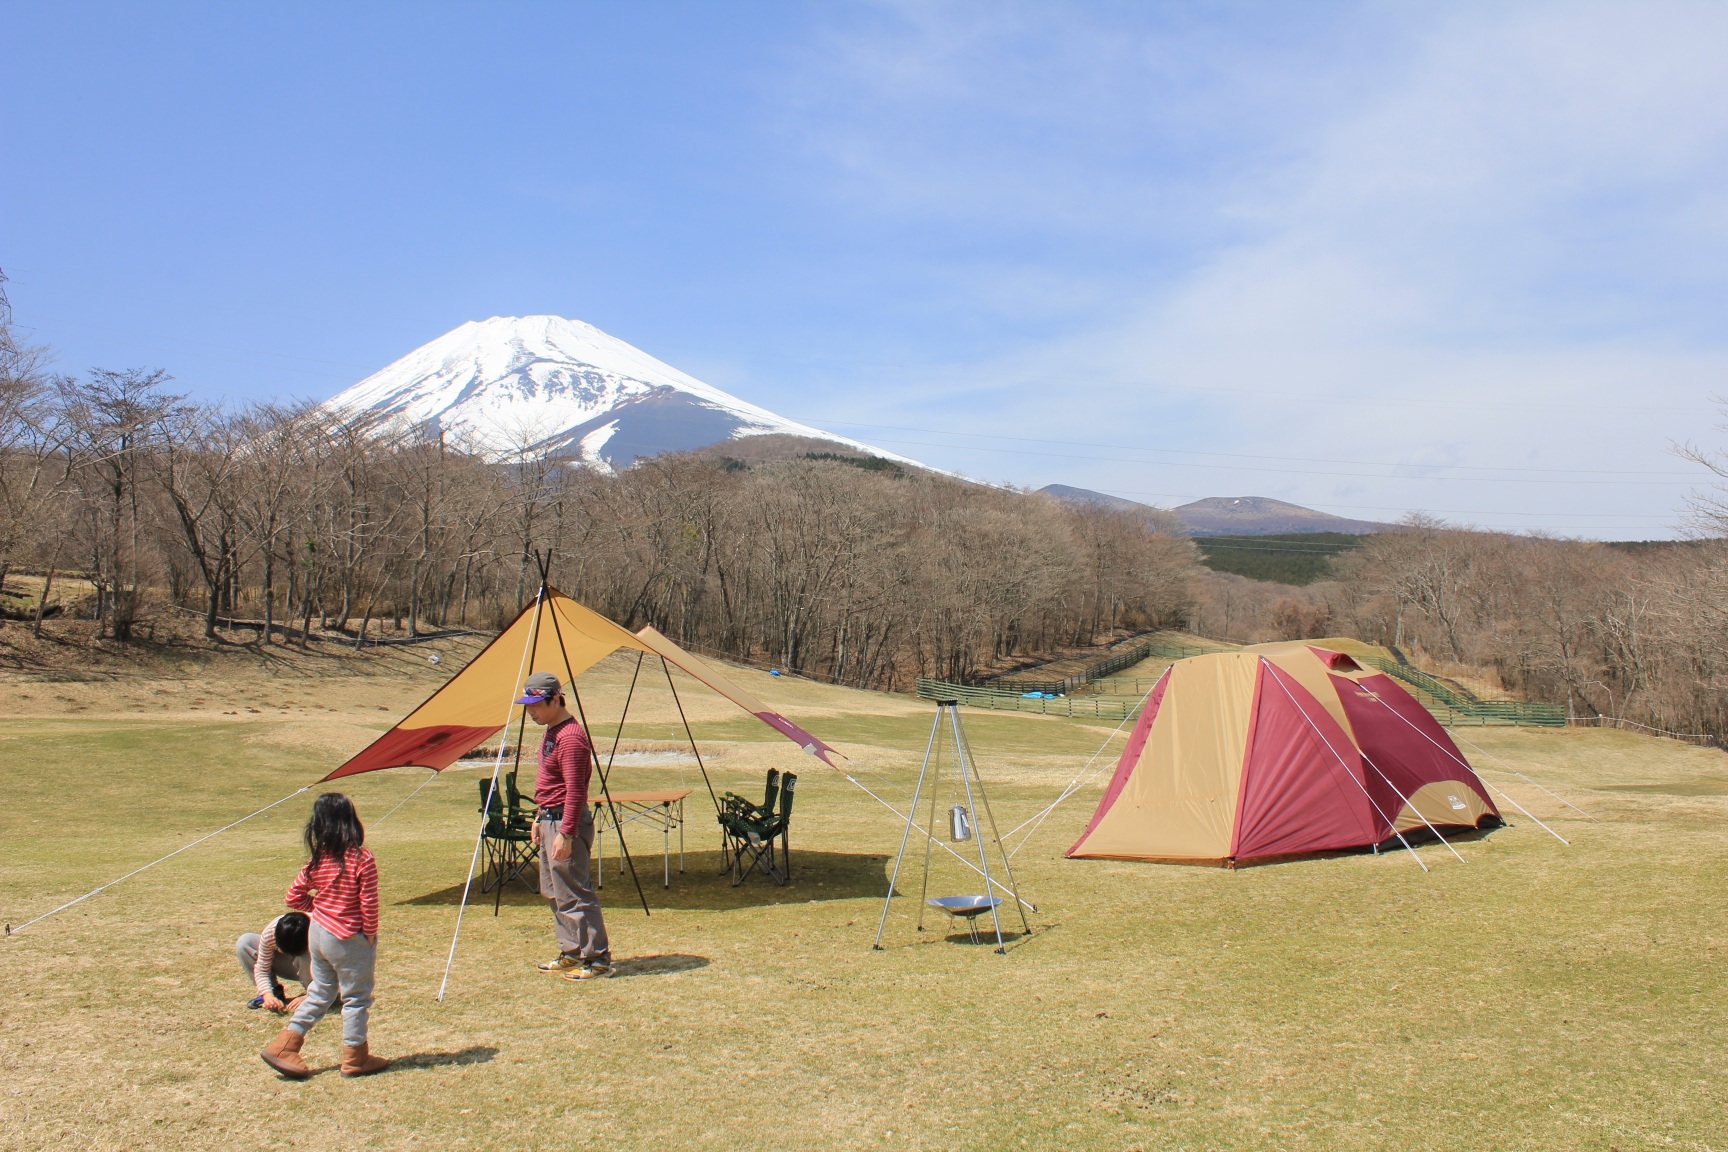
{"points": [[313, 525], [310, 523], [1634, 632]]}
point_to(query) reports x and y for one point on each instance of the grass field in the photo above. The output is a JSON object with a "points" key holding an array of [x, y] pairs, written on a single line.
{"points": [[1537, 996]]}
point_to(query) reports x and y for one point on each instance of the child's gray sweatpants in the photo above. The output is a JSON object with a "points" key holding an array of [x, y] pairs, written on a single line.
{"points": [[339, 965]]}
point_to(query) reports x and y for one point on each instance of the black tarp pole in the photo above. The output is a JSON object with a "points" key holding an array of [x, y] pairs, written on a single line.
{"points": [[570, 679]]}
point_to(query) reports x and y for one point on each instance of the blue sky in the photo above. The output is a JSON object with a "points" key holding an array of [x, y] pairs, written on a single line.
{"points": [[1460, 258]]}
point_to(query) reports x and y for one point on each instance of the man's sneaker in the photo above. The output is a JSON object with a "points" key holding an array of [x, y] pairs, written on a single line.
{"points": [[592, 970], [564, 964], [255, 1002]]}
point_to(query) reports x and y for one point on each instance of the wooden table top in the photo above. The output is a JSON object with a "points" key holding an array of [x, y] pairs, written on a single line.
{"points": [[665, 796]]}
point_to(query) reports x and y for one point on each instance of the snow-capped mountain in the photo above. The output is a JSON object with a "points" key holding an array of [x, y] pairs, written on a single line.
{"points": [[548, 384]]}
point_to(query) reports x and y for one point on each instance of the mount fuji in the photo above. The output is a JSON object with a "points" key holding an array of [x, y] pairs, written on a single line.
{"points": [[548, 385]]}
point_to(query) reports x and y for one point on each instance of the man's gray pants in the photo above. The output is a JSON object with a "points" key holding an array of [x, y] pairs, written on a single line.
{"points": [[568, 885], [283, 967], [339, 964]]}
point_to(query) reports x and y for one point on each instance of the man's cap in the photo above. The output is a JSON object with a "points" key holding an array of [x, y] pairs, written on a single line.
{"points": [[539, 688]]}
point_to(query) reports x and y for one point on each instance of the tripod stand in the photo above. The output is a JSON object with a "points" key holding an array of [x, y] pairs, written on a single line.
{"points": [[961, 828]]}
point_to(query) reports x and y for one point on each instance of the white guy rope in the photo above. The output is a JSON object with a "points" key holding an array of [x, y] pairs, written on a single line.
{"points": [[1503, 793], [1076, 784], [11, 931], [1389, 822], [1529, 781], [938, 840], [431, 777], [492, 789]]}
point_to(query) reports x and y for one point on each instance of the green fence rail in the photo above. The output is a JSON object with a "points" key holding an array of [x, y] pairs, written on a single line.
{"points": [[1090, 707], [1452, 704], [1113, 698]]}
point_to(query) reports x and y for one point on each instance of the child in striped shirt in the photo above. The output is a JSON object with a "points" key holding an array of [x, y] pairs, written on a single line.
{"points": [[339, 887]]}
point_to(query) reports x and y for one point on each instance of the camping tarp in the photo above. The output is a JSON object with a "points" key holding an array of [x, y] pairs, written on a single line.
{"points": [[567, 640], [1279, 750]]}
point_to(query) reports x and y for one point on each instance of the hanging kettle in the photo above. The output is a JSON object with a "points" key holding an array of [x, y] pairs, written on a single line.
{"points": [[959, 823]]}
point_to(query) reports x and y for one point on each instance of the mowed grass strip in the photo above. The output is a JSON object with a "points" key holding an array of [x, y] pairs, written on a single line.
{"points": [[1538, 996]]}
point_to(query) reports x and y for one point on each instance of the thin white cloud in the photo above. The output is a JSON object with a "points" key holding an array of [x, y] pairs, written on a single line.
{"points": [[1506, 246]]}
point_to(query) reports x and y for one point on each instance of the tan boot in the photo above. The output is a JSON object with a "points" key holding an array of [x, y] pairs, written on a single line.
{"points": [[357, 1060], [283, 1054]]}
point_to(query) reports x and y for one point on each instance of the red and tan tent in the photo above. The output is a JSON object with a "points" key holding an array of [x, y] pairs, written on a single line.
{"points": [[557, 635], [1279, 750]]}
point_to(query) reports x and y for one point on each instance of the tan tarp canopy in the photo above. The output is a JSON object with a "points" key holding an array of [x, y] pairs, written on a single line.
{"points": [[554, 634]]}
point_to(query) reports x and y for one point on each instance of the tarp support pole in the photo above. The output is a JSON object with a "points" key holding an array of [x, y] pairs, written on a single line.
{"points": [[492, 789], [689, 735], [605, 792]]}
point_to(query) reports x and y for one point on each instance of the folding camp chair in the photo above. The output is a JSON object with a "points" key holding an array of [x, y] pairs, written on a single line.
{"points": [[521, 808], [753, 840], [509, 848], [740, 809]]}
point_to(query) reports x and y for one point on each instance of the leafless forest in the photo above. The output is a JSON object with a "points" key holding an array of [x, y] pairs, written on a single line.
{"points": [[308, 524], [315, 528]]}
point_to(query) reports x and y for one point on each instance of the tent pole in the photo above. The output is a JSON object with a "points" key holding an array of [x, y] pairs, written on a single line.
{"points": [[492, 789], [689, 735], [911, 814], [1273, 669], [605, 792], [1007, 856]]}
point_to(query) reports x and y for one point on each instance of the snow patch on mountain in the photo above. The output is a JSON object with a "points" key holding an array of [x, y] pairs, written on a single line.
{"points": [[545, 384]]}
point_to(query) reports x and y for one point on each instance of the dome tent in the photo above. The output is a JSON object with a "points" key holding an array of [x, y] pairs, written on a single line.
{"points": [[1279, 750]]}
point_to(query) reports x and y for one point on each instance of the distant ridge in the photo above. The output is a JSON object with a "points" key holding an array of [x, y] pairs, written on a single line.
{"points": [[1228, 515]]}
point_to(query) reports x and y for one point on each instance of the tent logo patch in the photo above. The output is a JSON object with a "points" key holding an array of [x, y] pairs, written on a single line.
{"points": [[1457, 804]]}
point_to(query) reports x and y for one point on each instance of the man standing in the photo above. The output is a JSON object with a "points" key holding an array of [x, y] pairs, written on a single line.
{"points": [[564, 832]]}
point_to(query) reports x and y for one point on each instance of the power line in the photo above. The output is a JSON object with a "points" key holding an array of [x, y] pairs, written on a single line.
{"points": [[1241, 455]]}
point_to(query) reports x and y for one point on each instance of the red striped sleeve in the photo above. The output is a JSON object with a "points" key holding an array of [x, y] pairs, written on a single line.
{"points": [[369, 895], [341, 895]]}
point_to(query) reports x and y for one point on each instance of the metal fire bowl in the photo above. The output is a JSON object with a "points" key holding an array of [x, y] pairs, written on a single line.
{"points": [[967, 906]]}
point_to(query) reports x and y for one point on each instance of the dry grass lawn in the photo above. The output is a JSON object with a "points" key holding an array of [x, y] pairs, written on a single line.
{"points": [[1538, 996]]}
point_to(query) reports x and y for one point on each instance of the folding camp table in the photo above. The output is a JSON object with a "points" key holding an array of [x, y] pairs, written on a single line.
{"points": [[661, 809]]}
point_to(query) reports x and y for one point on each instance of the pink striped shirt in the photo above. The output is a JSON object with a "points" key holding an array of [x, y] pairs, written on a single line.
{"points": [[263, 969], [341, 895]]}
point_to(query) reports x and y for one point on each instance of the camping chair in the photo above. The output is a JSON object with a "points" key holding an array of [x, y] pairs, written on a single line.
{"points": [[734, 805], [521, 808], [755, 839], [509, 849]]}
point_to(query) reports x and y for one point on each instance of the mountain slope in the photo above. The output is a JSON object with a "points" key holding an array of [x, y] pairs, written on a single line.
{"points": [[547, 384]]}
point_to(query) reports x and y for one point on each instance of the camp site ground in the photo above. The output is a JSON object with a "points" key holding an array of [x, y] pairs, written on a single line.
{"points": [[1536, 996]]}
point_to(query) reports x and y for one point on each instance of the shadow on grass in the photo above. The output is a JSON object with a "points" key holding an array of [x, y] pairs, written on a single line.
{"points": [[478, 1054], [702, 884], [663, 965]]}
